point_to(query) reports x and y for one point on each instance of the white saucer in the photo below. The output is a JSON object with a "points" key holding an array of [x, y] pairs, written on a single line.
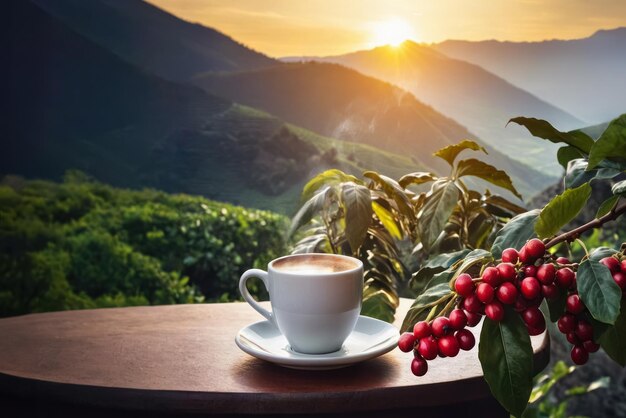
{"points": [[370, 338]]}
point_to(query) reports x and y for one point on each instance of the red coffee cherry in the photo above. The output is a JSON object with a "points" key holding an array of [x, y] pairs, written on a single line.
{"points": [[473, 304], [535, 248], [473, 318], [574, 305], [520, 303], [563, 260], [491, 276], [427, 348], [485, 292], [579, 355], [529, 271], [530, 288], [591, 346], [458, 319], [584, 330], [507, 293], [441, 326], [564, 277], [506, 271], [448, 346], [572, 338], [567, 323], [419, 366], [510, 255], [494, 311], [406, 342], [611, 263], [464, 285], [422, 330], [534, 331], [524, 256], [546, 273], [466, 339], [534, 318], [622, 266], [620, 279], [549, 291]]}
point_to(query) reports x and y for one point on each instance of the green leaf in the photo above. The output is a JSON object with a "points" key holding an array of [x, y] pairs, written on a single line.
{"points": [[613, 340], [327, 178], [502, 203], [556, 306], [547, 381], [418, 311], [607, 206], [474, 257], [600, 383], [542, 129], [561, 210], [308, 210], [436, 211], [393, 190], [416, 178], [506, 356], [480, 169], [578, 174], [358, 204], [376, 305], [516, 232], [610, 144], [598, 291], [601, 252], [567, 153], [445, 260], [450, 152], [619, 188], [387, 219]]}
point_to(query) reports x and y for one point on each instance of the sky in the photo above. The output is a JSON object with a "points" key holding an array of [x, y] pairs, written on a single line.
{"points": [[326, 27]]}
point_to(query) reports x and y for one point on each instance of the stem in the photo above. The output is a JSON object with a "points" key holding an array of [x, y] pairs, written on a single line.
{"points": [[596, 223], [582, 244]]}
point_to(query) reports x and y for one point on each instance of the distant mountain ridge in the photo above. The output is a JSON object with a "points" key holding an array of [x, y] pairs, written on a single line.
{"points": [[337, 101], [75, 105], [478, 99], [153, 39], [583, 76]]}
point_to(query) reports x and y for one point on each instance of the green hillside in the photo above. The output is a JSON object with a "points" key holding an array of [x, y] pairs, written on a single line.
{"points": [[341, 103]]}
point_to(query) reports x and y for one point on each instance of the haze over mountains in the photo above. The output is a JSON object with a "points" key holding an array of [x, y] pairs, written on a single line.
{"points": [[478, 99], [585, 77], [111, 87]]}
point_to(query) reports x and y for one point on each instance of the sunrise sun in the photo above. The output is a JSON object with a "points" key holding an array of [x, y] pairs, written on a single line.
{"points": [[392, 32]]}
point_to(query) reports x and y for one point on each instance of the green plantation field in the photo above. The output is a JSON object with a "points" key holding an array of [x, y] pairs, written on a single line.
{"points": [[83, 244]]}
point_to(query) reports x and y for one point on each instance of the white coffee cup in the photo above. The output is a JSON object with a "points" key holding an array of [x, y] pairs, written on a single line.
{"points": [[315, 298]]}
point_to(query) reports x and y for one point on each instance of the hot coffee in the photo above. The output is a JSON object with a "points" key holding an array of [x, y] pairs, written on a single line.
{"points": [[313, 264]]}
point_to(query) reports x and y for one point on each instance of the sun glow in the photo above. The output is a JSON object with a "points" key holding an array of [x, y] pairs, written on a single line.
{"points": [[392, 32]]}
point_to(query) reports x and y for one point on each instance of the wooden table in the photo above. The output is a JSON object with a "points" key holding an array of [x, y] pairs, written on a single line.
{"points": [[182, 359]]}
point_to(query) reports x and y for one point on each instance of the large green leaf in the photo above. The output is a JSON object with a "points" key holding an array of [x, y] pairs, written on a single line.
{"points": [[387, 219], [358, 205], [561, 210], [309, 209], [393, 190], [450, 152], [436, 211], [327, 178], [567, 153], [418, 310], [542, 129], [416, 178], [502, 203], [598, 291], [578, 174], [445, 260], [376, 305], [471, 259], [516, 232], [619, 188], [477, 168], [556, 306], [611, 144], [506, 356], [613, 340]]}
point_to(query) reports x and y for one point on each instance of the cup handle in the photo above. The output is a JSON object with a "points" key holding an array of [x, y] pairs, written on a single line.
{"points": [[248, 297]]}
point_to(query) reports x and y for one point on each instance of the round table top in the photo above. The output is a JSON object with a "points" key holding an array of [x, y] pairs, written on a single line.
{"points": [[184, 358]]}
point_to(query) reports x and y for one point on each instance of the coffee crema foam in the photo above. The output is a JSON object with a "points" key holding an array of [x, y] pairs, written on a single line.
{"points": [[312, 264]]}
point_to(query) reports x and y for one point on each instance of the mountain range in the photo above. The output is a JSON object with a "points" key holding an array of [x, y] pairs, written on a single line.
{"points": [[137, 97], [478, 99], [582, 76]]}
